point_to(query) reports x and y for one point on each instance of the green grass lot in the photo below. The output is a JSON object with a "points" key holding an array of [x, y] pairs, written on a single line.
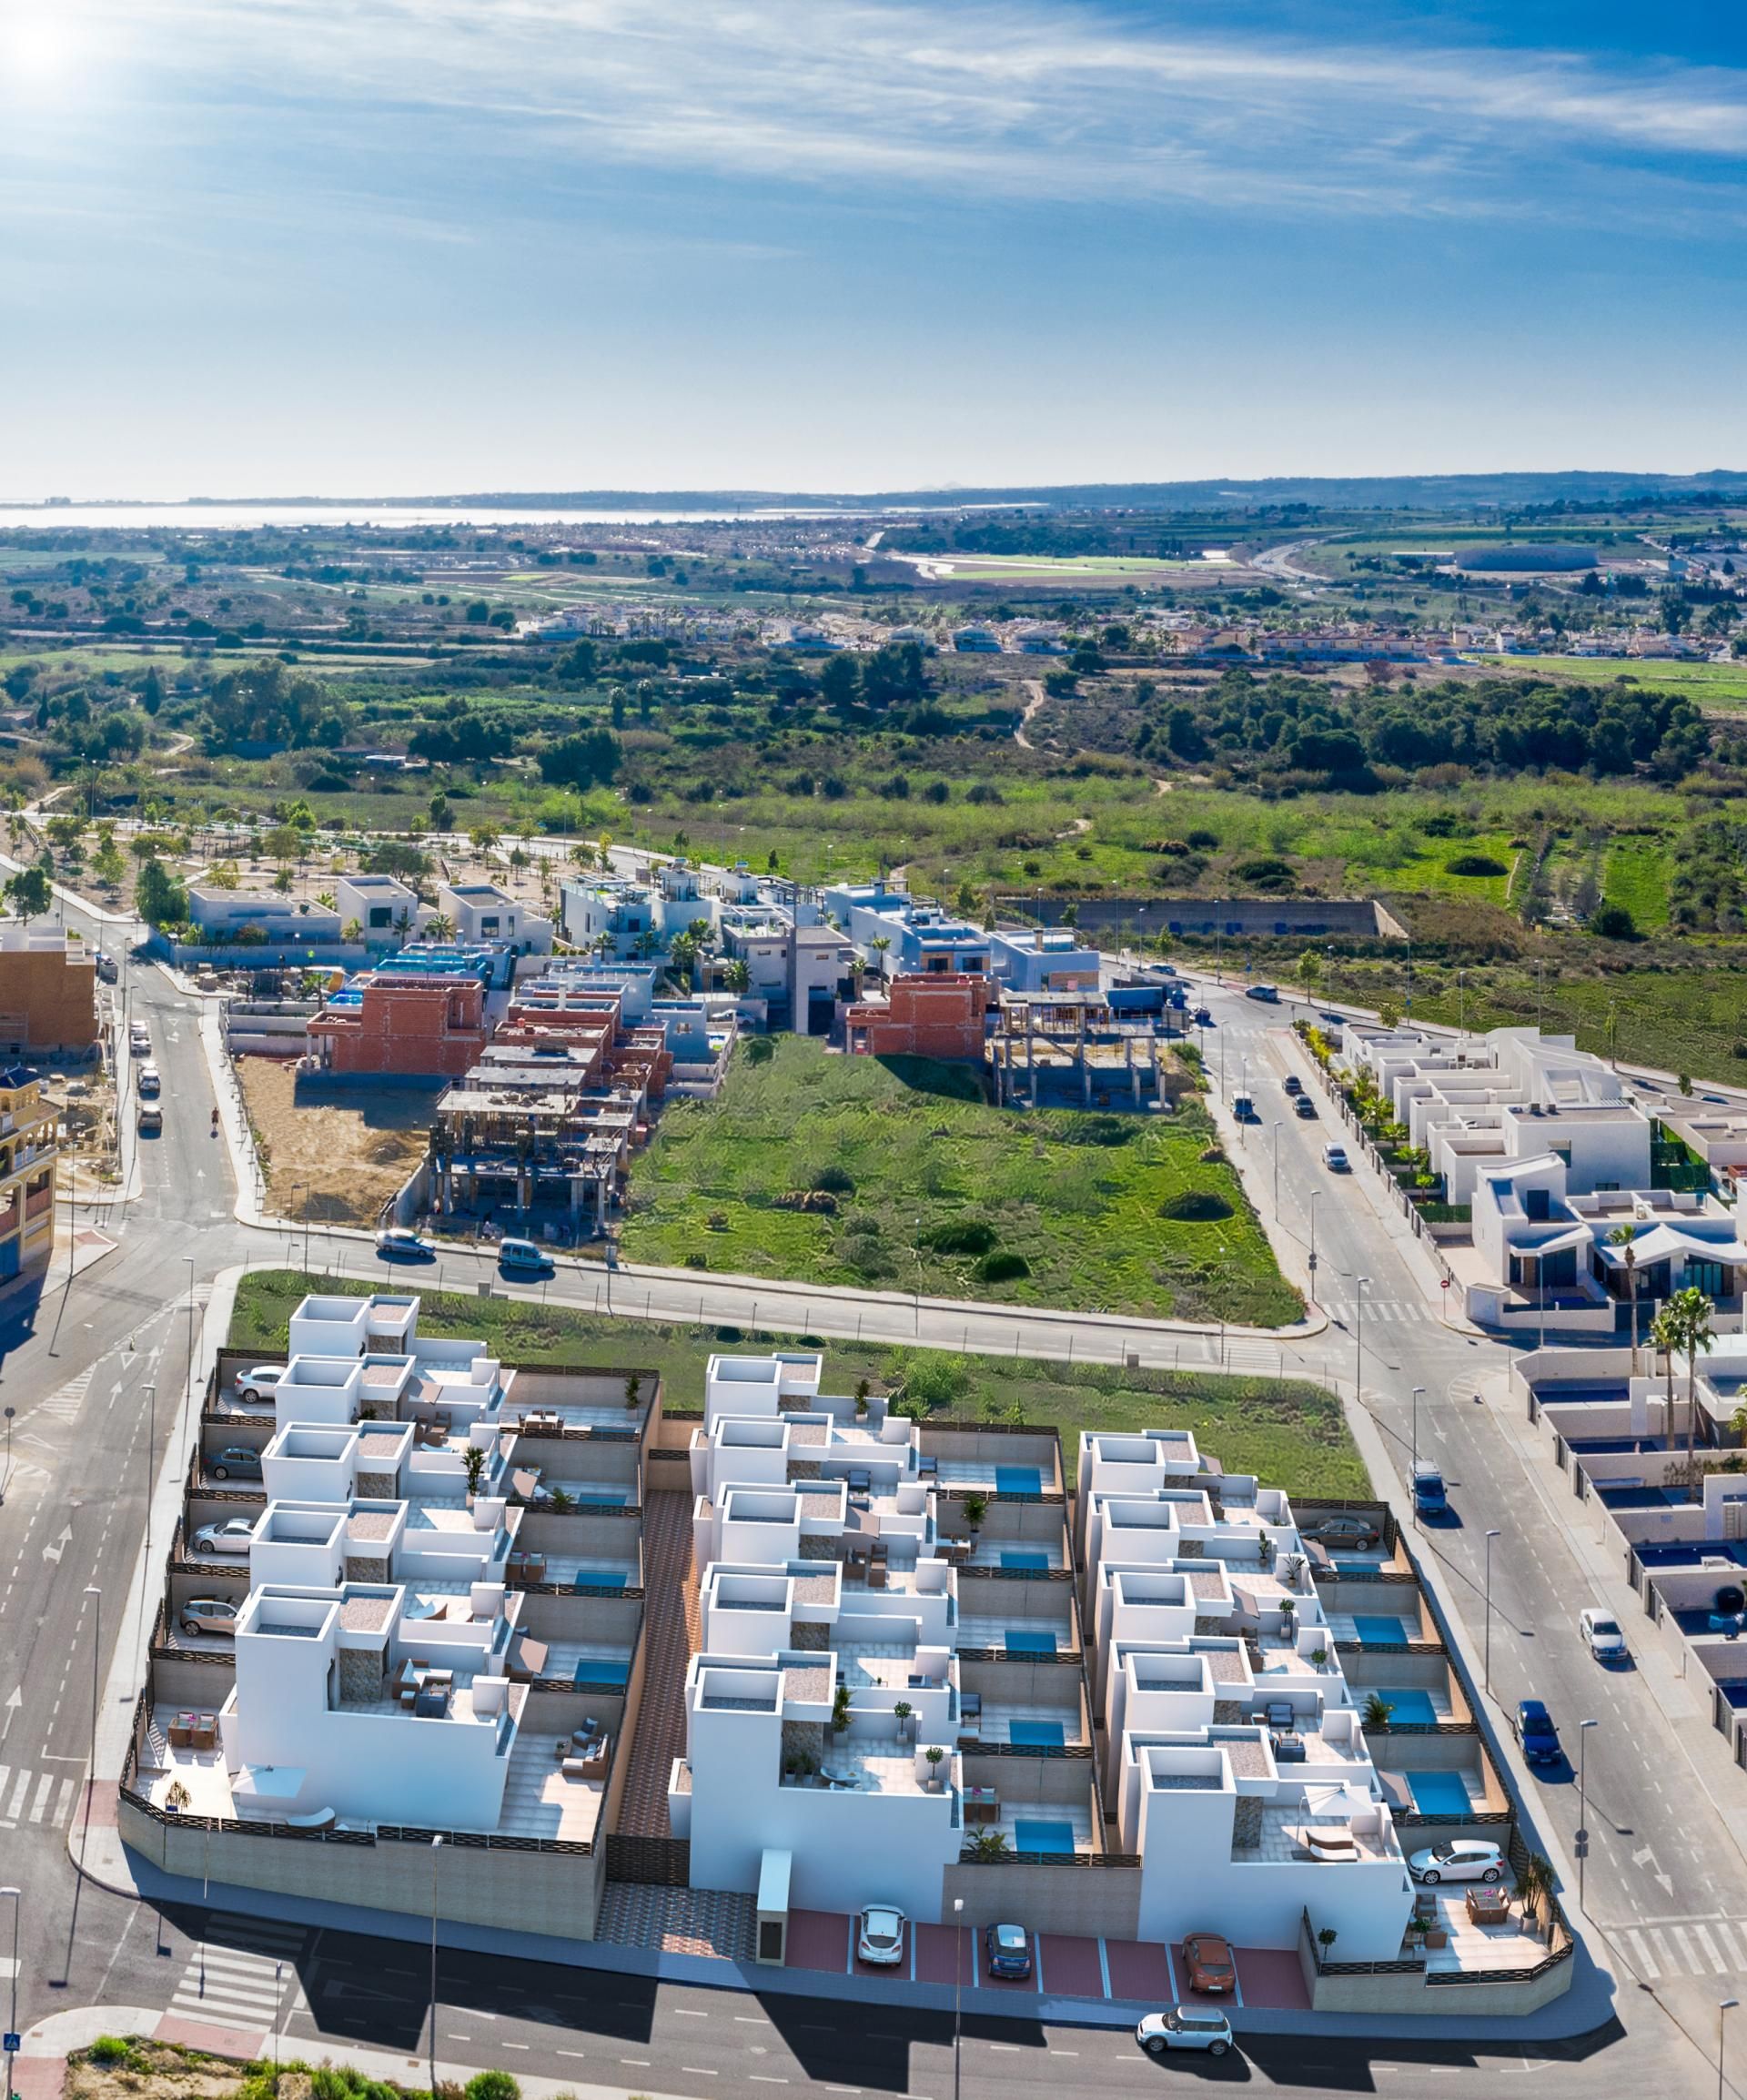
{"points": [[1719, 685], [998, 568], [1637, 877], [1679, 1020], [1290, 1433], [1076, 1197]]}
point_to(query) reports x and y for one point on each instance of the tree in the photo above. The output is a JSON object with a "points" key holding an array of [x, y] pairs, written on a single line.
{"points": [[879, 945], [151, 695], [107, 864], [1613, 922], [738, 976], [1688, 1316], [160, 898], [589, 760], [439, 926], [29, 892], [1625, 1237]]}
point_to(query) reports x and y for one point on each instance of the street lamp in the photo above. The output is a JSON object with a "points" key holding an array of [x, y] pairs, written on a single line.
{"points": [[436, 1853], [958, 1982], [12, 2019], [96, 1595], [1314, 1194], [1723, 2005], [1583, 1728], [1489, 1537], [1359, 1340], [1414, 1470], [1277, 1174]]}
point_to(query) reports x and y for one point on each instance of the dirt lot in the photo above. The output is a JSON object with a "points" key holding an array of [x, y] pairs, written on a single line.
{"points": [[341, 1151]]}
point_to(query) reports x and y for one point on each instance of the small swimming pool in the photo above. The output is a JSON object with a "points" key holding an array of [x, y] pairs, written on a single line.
{"points": [[594, 1670], [1376, 1631], [1409, 1708], [1027, 1640], [1043, 1837], [1439, 1793], [1036, 1734], [1018, 1481], [1025, 1563]]}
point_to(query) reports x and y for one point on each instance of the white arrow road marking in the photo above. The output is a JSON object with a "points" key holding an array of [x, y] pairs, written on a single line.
{"points": [[60, 1546], [12, 1704]]}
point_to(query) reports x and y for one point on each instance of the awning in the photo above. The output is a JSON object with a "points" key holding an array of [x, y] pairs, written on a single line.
{"points": [[1665, 1242]]}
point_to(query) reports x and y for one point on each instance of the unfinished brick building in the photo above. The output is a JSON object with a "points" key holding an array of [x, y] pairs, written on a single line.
{"points": [[939, 1015], [399, 1025]]}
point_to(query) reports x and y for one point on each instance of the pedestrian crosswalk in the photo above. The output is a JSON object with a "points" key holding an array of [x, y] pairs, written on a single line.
{"points": [[39, 1797], [1695, 1948], [244, 1977], [1393, 1311]]}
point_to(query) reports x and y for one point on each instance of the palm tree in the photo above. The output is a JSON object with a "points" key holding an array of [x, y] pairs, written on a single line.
{"points": [[1625, 1237], [439, 926], [879, 945], [738, 976], [1665, 1335], [1692, 1312]]}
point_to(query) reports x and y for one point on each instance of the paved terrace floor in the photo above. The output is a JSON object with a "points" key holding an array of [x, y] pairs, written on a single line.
{"points": [[672, 1629]]}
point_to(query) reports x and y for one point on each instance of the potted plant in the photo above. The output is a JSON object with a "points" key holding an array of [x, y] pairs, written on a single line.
{"points": [[1326, 1939], [989, 1844], [840, 1710], [976, 1508], [1319, 1656], [633, 1389], [561, 1500], [176, 1798], [903, 1710], [473, 1466], [1377, 1711], [862, 1388], [1264, 1549], [1288, 1619], [933, 1754]]}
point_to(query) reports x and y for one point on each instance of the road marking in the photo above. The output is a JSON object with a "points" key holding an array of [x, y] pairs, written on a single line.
{"points": [[699, 2071], [758, 2078], [1647, 1965], [1663, 1954], [640, 2062], [1717, 1962], [687, 2013], [577, 2054], [517, 2044]]}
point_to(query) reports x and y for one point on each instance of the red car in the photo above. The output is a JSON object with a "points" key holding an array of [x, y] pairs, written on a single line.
{"points": [[1211, 1967]]}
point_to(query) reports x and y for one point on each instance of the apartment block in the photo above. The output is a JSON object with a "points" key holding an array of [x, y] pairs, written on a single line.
{"points": [[932, 1016], [48, 993], [28, 1152], [401, 1023]]}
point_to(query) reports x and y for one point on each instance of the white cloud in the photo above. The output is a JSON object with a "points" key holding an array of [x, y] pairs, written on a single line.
{"points": [[1026, 98]]}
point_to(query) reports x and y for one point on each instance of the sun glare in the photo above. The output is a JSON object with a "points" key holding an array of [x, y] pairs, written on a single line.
{"points": [[36, 41]]}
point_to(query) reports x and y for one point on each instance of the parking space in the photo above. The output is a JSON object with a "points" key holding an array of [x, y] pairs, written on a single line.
{"points": [[819, 1940], [1069, 1968], [1272, 1978], [936, 1947], [1140, 1969]]}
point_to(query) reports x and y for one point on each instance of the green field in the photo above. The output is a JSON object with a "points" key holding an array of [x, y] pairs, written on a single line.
{"points": [[1291, 1433], [1720, 685], [907, 1149], [1637, 877]]}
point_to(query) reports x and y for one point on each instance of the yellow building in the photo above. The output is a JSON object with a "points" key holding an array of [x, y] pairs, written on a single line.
{"points": [[27, 1156]]}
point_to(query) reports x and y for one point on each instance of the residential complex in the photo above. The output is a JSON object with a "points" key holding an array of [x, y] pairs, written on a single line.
{"points": [[48, 993], [417, 1592], [28, 1155]]}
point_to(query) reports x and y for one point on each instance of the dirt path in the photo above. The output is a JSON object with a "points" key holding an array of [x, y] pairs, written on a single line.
{"points": [[335, 1155], [1035, 686]]}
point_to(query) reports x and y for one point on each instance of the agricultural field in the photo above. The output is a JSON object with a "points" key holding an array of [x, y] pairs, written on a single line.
{"points": [[925, 1186], [1293, 1434]]}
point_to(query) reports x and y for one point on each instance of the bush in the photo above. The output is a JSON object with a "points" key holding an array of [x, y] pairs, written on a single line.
{"points": [[1613, 922], [1002, 1265], [110, 2049], [1100, 1129], [1194, 1206], [1265, 872], [759, 1049], [492, 2085], [1203, 842], [1473, 865], [970, 1235], [833, 1181]]}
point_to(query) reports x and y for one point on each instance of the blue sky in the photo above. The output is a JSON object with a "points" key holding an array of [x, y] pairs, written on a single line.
{"points": [[255, 247]]}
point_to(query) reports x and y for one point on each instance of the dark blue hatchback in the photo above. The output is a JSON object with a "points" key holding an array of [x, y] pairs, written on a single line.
{"points": [[1009, 1950], [1536, 1733]]}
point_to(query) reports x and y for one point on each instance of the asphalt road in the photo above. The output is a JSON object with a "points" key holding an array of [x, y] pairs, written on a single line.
{"points": [[74, 1513]]}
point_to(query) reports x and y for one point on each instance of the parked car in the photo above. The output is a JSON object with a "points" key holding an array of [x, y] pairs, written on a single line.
{"points": [[1536, 1735], [150, 1080], [151, 1119], [524, 1257], [1458, 1859], [1344, 1528], [1601, 1635], [1334, 1157], [1332, 1019], [234, 1460], [109, 969], [1305, 1109], [1009, 1951], [208, 1615], [139, 1039], [1211, 1967], [1264, 992], [234, 1535], [261, 1383], [400, 1245], [1185, 2027], [1294, 1085], [879, 1938]]}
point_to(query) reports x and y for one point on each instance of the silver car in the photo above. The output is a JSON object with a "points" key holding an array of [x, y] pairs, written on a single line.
{"points": [[1185, 2027], [208, 1615], [234, 1535]]}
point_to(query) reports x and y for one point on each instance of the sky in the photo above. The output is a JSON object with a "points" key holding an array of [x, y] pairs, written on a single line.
{"points": [[411, 246]]}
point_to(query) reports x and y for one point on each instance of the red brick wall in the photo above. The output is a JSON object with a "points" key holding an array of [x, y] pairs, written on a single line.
{"points": [[927, 1017], [429, 1027]]}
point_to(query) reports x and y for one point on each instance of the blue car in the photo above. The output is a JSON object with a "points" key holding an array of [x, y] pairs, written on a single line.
{"points": [[1536, 1734], [1009, 1951]]}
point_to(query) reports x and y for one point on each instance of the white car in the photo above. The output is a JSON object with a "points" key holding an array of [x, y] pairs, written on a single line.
{"points": [[260, 1384], [1601, 1635], [234, 1535], [1458, 1859], [150, 1079], [879, 1937], [1185, 2027]]}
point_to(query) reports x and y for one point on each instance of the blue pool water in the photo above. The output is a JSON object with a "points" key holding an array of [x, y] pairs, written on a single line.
{"points": [[602, 1670], [604, 1497], [1373, 1630], [1641, 1497], [1043, 1837], [1700, 1619], [1615, 1446], [1036, 1734], [1018, 1481], [1689, 1556], [1412, 1709], [1024, 1640], [601, 1579], [1439, 1793], [1735, 1691], [1025, 1563]]}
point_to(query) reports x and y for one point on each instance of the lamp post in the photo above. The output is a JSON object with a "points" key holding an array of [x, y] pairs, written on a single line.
{"points": [[435, 1855], [1489, 1537], [1414, 1467], [1359, 1340], [6, 1479], [958, 1982], [12, 2018], [1724, 2005], [1311, 1264], [1276, 1173], [151, 1442], [1583, 1728], [96, 1595]]}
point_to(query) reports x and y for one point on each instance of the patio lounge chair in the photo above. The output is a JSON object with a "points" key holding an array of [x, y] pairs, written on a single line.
{"points": [[313, 1819], [1280, 1713], [1330, 1842], [839, 1777], [861, 1482]]}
